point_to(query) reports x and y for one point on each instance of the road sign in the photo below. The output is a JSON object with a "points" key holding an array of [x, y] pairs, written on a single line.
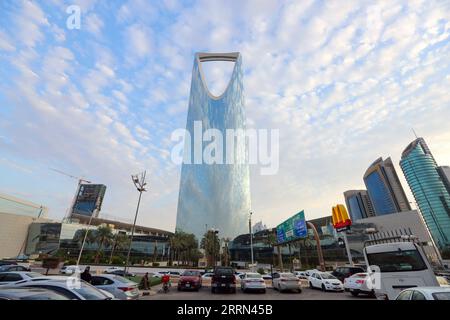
{"points": [[292, 229]]}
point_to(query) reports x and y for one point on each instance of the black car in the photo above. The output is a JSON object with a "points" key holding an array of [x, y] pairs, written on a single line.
{"points": [[122, 273], [223, 278], [344, 272], [13, 267]]}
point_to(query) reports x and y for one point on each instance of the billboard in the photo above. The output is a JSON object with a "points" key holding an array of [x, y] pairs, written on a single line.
{"points": [[292, 229], [340, 217], [89, 199]]}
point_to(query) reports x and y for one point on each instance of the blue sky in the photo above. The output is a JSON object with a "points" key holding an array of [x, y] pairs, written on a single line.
{"points": [[343, 81]]}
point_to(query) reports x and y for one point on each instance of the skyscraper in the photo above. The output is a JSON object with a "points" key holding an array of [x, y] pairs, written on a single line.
{"points": [[429, 190], [214, 195], [384, 188], [358, 204], [444, 172]]}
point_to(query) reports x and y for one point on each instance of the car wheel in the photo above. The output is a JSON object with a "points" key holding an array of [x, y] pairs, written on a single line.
{"points": [[323, 288], [310, 285], [354, 293], [179, 288], [279, 287], [233, 290], [299, 290], [264, 291], [213, 290]]}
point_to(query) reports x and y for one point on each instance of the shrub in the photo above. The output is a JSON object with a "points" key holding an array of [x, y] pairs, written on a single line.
{"points": [[155, 264], [70, 262], [260, 271]]}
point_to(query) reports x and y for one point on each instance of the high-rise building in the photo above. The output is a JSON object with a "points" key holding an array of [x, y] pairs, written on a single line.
{"points": [[384, 188], [429, 190], [444, 172], [214, 195], [89, 199], [358, 204]]}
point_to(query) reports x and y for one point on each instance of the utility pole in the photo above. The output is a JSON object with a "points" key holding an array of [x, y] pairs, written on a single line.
{"points": [[139, 183], [251, 236]]}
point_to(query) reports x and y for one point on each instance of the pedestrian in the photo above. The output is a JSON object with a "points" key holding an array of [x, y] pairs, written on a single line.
{"points": [[145, 281], [86, 276]]}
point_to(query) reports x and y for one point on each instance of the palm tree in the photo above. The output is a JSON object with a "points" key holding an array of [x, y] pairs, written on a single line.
{"points": [[211, 244], [271, 240], [121, 241], [103, 236]]}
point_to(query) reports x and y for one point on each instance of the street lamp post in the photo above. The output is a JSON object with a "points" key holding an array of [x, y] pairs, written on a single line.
{"points": [[251, 236], [139, 182]]}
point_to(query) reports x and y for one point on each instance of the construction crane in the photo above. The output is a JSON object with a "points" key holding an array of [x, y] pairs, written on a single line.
{"points": [[80, 181]]}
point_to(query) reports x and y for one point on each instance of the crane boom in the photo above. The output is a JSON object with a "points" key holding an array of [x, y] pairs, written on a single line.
{"points": [[70, 176]]}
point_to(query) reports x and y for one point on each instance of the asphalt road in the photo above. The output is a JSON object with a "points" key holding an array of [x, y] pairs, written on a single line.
{"points": [[271, 294]]}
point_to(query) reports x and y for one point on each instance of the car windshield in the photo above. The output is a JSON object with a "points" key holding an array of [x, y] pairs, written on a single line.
{"points": [[191, 273], [397, 261], [441, 295], [224, 271], [253, 275], [89, 292], [327, 276], [288, 275]]}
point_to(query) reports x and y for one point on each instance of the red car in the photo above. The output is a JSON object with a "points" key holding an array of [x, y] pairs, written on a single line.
{"points": [[190, 279]]}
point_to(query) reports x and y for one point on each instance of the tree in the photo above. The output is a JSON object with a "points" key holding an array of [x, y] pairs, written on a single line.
{"points": [[211, 244], [103, 236], [271, 240], [121, 241], [184, 248]]}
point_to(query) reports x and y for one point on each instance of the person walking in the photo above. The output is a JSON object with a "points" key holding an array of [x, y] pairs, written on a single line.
{"points": [[145, 282], [86, 276]]}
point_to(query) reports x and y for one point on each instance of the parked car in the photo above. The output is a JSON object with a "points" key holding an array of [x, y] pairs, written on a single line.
{"points": [[22, 293], [112, 269], [301, 275], [346, 271], [122, 273], [425, 293], [283, 281], [402, 265], [69, 269], [13, 267], [267, 277], [7, 278], [223, 278], [325, 281], [207, 275], [310, 272], [159, 274], [252, 281], [359, 283], [190, 279], [120, 287], [75, 291], [7, 263]]}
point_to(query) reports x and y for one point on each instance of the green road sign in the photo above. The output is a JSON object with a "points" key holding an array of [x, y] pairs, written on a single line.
{"points": [[292, 229]]}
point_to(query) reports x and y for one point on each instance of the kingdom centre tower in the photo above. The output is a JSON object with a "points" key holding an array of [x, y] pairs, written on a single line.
{"points": [[215, 195]]}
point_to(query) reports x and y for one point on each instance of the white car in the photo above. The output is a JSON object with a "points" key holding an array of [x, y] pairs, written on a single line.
{"points": [[253, 282], [70, 269], [283, 281], [310, 272], [425, 293], [74, 289], [207, 275], [359, 283], [14, 276], [325, 281], [112, 269], [120, 287], [301, 274]]}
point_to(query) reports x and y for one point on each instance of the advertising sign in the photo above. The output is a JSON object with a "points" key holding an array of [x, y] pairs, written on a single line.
{"points": [[292, 229]]}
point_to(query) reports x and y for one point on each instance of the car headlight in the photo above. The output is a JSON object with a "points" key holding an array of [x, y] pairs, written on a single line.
{"points": [[326, 282]]}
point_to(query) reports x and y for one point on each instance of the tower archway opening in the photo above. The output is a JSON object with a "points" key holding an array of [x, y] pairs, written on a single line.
{"points": [[217, 75]]}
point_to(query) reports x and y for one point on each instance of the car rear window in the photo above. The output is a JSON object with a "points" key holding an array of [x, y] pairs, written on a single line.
{"points": [[89, 292], [397, 261], [254, 275], [441, 295], [191, 273], [226, 271], [123, 280]]}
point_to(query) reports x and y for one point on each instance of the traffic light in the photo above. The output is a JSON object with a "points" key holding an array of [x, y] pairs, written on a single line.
{"points": [[340, 218]]}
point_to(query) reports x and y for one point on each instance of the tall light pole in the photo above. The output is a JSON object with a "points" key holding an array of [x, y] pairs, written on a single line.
{"points": [[139, 183], [251, 235]]}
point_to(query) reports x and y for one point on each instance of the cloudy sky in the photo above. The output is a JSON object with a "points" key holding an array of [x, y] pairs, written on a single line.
{"points": [[343, 81]]}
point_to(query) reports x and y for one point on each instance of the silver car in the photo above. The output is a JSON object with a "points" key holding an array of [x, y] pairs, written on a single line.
{"points": [[120, 287], [14, 276]]}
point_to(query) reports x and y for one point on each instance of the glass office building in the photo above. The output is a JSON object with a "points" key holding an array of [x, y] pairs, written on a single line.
{"points": [[384, 188], [215, 195], [429, 190], [358, 204]]}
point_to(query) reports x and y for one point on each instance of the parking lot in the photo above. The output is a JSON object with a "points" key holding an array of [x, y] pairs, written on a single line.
{"points": [[205, 294]]}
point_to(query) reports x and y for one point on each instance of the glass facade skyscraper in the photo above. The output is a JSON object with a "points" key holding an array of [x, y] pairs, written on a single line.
{"points": [[214, 195], [429, 190], [358, 204], [384, 188]]}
